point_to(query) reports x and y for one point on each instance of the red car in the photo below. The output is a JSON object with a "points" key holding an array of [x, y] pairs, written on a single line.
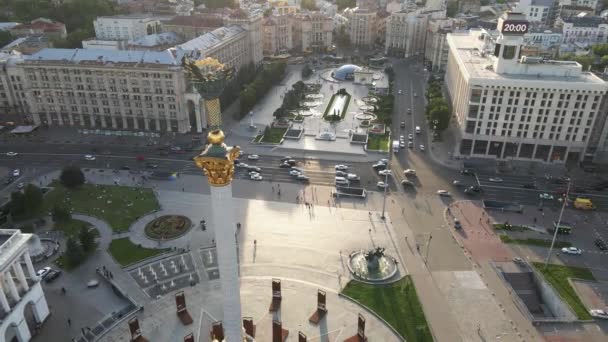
{"points": [[140, 158]]}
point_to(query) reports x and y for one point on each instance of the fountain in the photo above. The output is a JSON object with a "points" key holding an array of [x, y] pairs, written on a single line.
{"points": [[372, 266], [35, 246]]}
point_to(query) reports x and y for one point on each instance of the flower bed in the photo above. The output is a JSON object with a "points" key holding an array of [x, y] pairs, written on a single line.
{"points": [[168, 227]]}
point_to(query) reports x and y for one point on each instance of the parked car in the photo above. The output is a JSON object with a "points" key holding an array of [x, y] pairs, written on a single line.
{"points": [[410, 144], [597, 313], [545, 196], [341, 174], [89, 157], [443, 193], [410, 137], [253, 157], [379, 166], [385, 173], [11, 154], [341, 167], [43, 272], [467, 172], [402, 144], [342, 181], [302, 178], [16, 173], [495, 180], [409, 172], [52, 275], [572, 250], [382, 185], [422, 148], [600, 244], [352, 177]]}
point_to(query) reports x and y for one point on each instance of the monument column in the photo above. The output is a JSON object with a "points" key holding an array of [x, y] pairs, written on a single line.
{"points": [[30, 266], [20, 275], [3, 300], [12, 288]]}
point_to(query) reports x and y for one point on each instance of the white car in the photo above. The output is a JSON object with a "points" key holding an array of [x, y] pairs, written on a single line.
{"points": [[572, 250], [409, 172], [243, 165], [253, 157], [383, 161], [400, 92], [254, 168], [341, 167], [352, 177], [89, 157], [422, 148], [545, 196], [16, 173], [495, 179], [402, 144], [253, 172], [294, 173], [410, 137], [443, 193], [401, 137], [385, 173], [456, 183], [382, 185], [11, 154], [256, 177], [597, 313], [43, 272], [20, 186]]}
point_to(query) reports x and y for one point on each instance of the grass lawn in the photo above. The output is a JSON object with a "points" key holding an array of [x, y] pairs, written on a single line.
{"points": [[534, 242], [378, 142], [397, 304], [258, 138], [72, 227], [557, 276], [120, 206], [126, 253], [274, 135]]}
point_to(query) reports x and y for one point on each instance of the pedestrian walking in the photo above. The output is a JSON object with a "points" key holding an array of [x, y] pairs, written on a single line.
{"points": [[69, 322]]}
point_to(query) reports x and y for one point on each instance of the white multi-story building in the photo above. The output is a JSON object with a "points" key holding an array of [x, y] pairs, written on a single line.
{"points": [[23, 307], [538, 11], [593, 4], [583, 30], [313, 31], [361, 26], [406, 31], [126, 27], [519, 107], [251, 22], [436, 45]]}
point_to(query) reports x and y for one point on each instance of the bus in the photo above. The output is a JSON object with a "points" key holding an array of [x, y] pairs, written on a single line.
{"points": [[564, 228]]}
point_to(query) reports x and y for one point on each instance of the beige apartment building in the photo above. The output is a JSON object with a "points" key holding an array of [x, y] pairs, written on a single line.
{"points": [[361, 27], [277, 35], [314, 32]]}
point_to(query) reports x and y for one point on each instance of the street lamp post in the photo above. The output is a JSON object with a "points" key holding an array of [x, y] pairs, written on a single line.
{"points": [[559, 221], [384, 199], [428, 247]]}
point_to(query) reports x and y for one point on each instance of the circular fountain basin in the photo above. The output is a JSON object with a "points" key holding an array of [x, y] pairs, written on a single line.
{"points": [[359, 267]]}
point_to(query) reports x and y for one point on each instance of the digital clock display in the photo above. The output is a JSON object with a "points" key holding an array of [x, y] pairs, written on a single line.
{"points": [[514, 27]]}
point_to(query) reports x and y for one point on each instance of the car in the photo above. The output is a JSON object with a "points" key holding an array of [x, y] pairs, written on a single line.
{"points": [[385, 173], [409, 110], [16, 173], [291, 162], [151, 166], [519, 261], [415, 95], [410, 137], [52, 275], [406, 182], [352, 177], [256, 177], [443, 193], [467, 172], [341, 174], [379, 166], [294, 173], [402, 124], [302, 178], [383, 161], [422, 148], [342, 181], [285, 165], [457, 224], [176, 148], [253, 172], [243, 165], [126, 168], [43, 272], [402, 137], [600, 244], [545, 196], [382, 185], [11, 154], [409, 172], [254, 168], [529, 186], [299, 170], [9, 180], [140, 158], [286, 158], [572, 250], [400, 92], [597, 313], [341, 167], [456, 183], [89, 157], [253, 157], [495, 179], [410, 144], [402, 144], [20, 186]]}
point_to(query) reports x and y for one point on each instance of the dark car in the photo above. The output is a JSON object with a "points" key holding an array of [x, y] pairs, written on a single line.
{"points": [[379, 166], [52, 275], [600, 244], [126, 168], [457, 224], [475, 188], [285, 165], [529, 186], [286, 158], [468, 172], [291, 162]]}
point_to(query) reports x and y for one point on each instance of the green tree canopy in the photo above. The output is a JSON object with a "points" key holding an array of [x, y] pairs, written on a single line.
{"points": [[342, 38], [60, 214], [17, 206], [33, 198], [600, 49], [342, 4], [87, 239], [5, 38], [73, 251], [306, 71], [72, 177]]}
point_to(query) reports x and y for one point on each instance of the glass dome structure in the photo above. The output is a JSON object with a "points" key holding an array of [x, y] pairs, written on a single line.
{"points": [[346, 72]]}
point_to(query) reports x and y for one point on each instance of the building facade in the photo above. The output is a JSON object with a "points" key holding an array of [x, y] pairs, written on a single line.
{"points": [[313, 31], [583, 30], [125, 27], [593, 4], [277, 35], [509, 106], [362, 27], [406, 32], [190, 27], [23, 306], [436, 46], [539, 11], [40, 26]]}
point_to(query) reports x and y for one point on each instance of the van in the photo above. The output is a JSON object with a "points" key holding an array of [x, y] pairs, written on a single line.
{"points": [[583, 204], [417, 129], [342, 181]]}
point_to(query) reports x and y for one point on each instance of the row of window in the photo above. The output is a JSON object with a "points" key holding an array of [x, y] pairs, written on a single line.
{"points": [[123, 89], [90, 80], [65, 71], [116, 113]]}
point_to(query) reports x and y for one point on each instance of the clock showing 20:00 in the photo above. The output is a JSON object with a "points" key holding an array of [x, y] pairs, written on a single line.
{"points": [[514, 27]]}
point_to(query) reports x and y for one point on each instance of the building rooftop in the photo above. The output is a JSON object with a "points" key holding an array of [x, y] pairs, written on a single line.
{"points": [[156, 39], [194, 20], [46, 25], [586, 21], [128, 16], [88, 56], [7, 26], [478, 61], [12, 241], [210, 39]]}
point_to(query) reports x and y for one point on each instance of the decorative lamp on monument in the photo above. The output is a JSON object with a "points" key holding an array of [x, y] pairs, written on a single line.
{"points": [[209, 77]]}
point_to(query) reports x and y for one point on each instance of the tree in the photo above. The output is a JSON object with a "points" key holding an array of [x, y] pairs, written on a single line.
{"points": [[452, 9], [5, 38], [306, 71], [72, 177], [600, 49], [310, 5], [60, 214], [33, 198], [438, 113], [342, 4], [17, 206], [87, 239], [73, 252]]}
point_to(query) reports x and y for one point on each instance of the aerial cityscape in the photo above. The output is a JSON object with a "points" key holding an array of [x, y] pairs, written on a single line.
{"points": [[303, 170]]}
